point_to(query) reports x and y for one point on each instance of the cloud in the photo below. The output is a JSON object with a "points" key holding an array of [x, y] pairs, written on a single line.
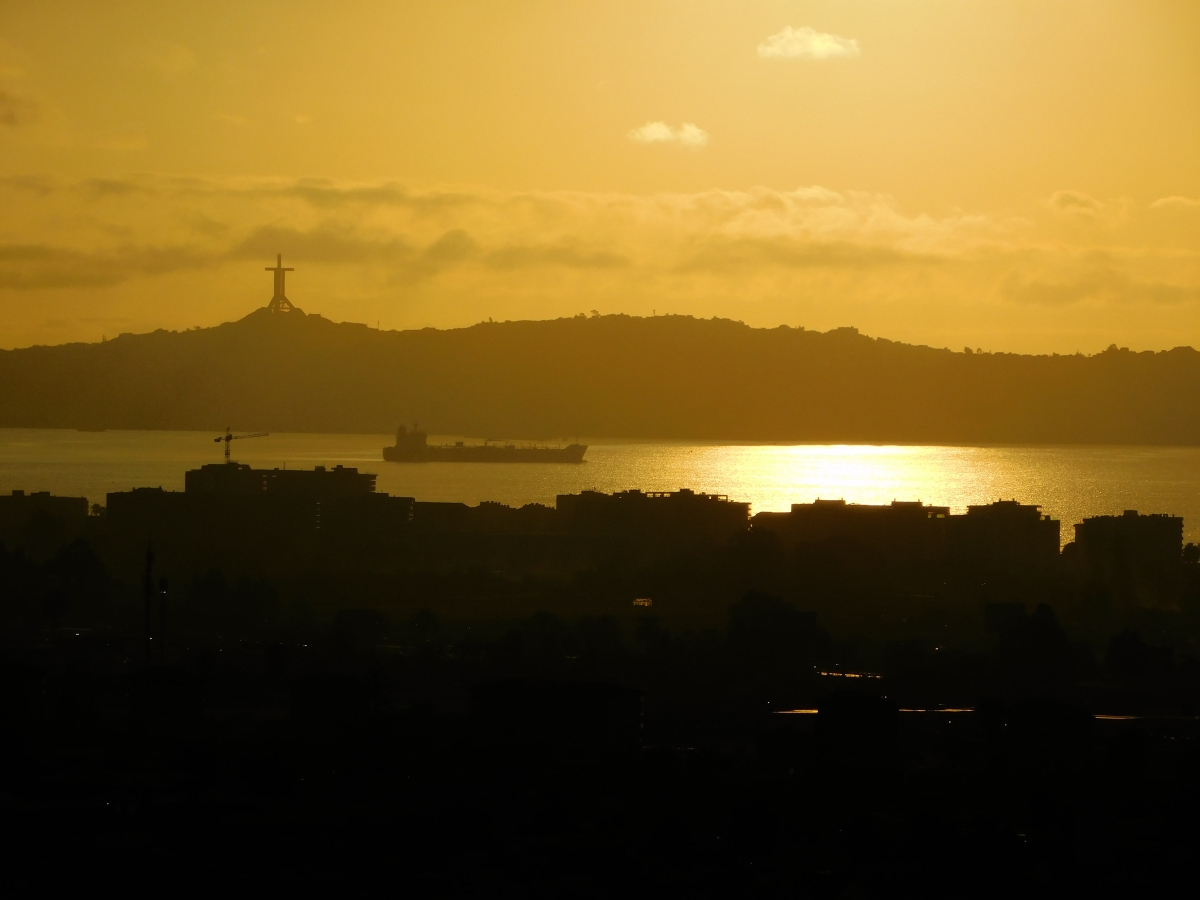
{"points": [[688, 134], [565, 253], [652, 133], [807, 43], [414, 234], [449, 255], [453, 247], [33, 267], [1175, 203], [16, 110], [398, 257], [401, 257], [1103, 285], [204, 225], [1084, 208], [326, 194], [721, 254], [691, 136], [327, 243], [26, 267], [1075, 203], [41, 185], [113, 187]]}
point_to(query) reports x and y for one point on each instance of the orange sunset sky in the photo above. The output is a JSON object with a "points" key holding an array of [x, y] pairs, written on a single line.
{"points": [[1016, 176]]}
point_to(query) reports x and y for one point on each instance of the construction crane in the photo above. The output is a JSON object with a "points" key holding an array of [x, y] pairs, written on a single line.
{"points": [[228, 436]]}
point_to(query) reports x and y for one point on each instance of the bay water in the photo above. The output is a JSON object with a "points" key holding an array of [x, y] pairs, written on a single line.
{"points": [[1069, 482]]}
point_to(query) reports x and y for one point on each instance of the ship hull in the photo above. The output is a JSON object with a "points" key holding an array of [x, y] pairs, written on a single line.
{"points": [[486, 453]]}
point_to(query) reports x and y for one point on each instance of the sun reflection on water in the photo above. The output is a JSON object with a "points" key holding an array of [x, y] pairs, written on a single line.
{"points": [[1068, 482]]}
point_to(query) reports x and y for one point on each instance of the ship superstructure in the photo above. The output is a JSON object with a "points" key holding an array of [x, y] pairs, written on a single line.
{"points": [[413, 446]]}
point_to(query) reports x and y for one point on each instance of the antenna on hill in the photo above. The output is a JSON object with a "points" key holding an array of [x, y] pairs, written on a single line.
{"points": [[279, 302]]}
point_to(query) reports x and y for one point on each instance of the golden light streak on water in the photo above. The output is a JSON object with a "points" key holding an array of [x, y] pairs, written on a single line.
{"points": [[1068, 482]]}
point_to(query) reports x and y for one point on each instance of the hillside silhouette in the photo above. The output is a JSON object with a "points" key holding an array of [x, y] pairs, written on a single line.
{"points": [[666, 377]]}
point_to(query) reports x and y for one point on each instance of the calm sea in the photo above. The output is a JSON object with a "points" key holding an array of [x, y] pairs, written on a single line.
{"points": [[1068, 482]]}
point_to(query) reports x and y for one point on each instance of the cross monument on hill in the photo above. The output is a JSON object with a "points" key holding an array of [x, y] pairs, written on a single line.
{"points": [[280, 302]]}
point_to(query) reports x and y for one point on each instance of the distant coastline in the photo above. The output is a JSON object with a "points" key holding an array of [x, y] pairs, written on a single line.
{"points": [[666, 378]]}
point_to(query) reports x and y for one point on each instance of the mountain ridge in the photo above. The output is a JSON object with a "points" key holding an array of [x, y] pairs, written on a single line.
{"points": [[616, 376]]}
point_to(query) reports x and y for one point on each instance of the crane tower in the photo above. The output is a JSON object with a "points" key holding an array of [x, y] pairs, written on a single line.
{"points": [[230, 436]]}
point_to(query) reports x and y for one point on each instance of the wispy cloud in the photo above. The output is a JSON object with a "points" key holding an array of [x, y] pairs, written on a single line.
{"points": [[112, 187], [1099, 285], [41, 185], [565, 253], [1075, 203], [723, 254], [25, 267], [1175, 203], [652, 133], [807, 43], [688, 134], [448, 255], [1083, 207], [327, 243]]}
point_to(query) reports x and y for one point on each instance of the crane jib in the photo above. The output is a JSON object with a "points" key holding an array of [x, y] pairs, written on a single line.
{"points": [[230, 436]]}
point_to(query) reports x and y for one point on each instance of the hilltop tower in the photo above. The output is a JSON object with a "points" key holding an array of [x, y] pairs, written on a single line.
{"points": [[279, 302]]}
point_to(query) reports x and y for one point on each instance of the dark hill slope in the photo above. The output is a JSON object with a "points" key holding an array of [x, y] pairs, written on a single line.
{"points": [[612, 376]]}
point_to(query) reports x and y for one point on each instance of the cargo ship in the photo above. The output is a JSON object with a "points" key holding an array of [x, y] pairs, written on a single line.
{"points": [[411, 446]]}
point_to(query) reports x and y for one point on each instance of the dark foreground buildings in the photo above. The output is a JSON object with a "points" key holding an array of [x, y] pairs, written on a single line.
{"points": [[233, 504], [287, 680], [1005, 537], [1137, 557]]}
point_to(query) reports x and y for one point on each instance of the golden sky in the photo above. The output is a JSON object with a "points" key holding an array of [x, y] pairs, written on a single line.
{"points": [[1013, 176]]}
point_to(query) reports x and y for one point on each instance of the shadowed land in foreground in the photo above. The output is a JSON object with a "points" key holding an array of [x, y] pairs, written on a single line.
{"points": [[307, 682]]}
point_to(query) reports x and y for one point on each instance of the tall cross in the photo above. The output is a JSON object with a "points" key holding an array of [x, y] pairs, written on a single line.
{"points": [[280, 302]]}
